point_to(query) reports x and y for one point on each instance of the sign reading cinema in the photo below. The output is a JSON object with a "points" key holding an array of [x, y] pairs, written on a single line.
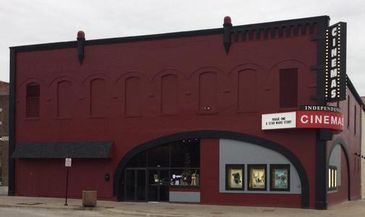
{"points": [[316, 119], [335, 71]]}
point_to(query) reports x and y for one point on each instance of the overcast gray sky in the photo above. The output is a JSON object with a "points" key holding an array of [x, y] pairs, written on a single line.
{"points": [[25, 22]]}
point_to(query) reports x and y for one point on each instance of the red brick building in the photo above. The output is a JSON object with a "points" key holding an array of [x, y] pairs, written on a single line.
{"points": [[179, 117], [4, 132]]}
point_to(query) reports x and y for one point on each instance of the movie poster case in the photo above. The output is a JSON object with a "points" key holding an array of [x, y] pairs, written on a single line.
{"points": [[235, 176], [257, 176], [280, 177]]}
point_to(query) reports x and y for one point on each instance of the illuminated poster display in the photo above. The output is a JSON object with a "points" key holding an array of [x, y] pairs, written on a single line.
{"points": [[280, 177], [256, 177], [235, 177]]}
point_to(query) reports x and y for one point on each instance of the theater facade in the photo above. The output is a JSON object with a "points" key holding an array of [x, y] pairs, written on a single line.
{"points": [[260, 115]]}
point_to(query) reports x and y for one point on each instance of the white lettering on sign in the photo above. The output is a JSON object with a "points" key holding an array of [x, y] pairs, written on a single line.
{"points": [[68, 162], [320, 108], [333, 77], [321, 119], [334, 31], [304, 119], [335, 69]]}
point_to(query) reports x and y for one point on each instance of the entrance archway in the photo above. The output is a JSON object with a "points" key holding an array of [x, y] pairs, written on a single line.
{"points": [[150, 173], [118, 175]]}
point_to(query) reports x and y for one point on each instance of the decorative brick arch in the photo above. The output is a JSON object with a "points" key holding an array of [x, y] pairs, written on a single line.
{"points": [[344, 148]]}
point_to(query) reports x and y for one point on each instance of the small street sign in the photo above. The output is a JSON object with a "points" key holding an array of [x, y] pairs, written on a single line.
{"points": [[68, 162]]}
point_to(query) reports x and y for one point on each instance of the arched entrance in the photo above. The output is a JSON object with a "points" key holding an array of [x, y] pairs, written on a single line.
{"points": [[338, 176], [119, 173], [150, 173]]}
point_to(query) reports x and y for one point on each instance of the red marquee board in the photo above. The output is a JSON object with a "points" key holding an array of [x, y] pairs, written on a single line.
{"points": [[320, 119]]}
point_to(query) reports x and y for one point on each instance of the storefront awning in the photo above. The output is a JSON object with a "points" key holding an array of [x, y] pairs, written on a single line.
{"points": [[63, 150]]}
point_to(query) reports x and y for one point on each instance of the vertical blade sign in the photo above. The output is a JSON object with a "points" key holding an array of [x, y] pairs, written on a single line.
{"points": [[335, 69]]}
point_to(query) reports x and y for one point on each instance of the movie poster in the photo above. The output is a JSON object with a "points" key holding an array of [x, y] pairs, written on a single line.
{"points": [[235, 178], [257, 177]]}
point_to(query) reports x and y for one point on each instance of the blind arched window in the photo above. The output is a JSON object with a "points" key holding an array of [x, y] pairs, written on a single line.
{"points": [[32, 100]]}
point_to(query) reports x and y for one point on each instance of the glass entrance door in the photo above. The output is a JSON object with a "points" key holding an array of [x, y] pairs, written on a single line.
{"points": [[158, 184], [135, 185], [146, 184], [148, 175]]}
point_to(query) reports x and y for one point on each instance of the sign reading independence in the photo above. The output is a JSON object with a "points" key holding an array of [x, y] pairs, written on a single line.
{"points": [[335, 71]]}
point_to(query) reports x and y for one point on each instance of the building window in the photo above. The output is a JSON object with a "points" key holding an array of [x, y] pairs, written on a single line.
{"points": [[355, 111], [288, 88], [280, 177], [247, 99], [98, 102], [133, 97], [64, 96], [348, 112], [187, 177], [256, 177], [235, 176], [169, 94], [180, 160], [207, 92], [32, 100], [332, 178], [358, 165]]}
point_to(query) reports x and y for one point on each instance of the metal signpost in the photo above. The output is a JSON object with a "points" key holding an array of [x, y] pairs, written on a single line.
{"points": [[68, 162]]}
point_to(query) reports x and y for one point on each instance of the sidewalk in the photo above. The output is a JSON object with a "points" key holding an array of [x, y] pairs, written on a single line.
{"points": [[353, 209]]}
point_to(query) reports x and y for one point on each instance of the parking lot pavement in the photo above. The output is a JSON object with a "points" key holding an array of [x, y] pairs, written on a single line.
{"points": [[112, 208]]}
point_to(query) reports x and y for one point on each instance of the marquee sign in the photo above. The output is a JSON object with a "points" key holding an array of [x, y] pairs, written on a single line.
{"points": [[335, 69], [315, 119], [303, 119]]}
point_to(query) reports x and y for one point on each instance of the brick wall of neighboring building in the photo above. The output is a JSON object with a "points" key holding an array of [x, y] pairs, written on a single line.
{"points": [[4, 131], [4, 88], [4, 151]]}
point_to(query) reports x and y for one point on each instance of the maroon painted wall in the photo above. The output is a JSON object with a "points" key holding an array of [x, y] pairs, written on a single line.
{"points": [[209, 171], [138, 91], [350, 139], [47, 177]]}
